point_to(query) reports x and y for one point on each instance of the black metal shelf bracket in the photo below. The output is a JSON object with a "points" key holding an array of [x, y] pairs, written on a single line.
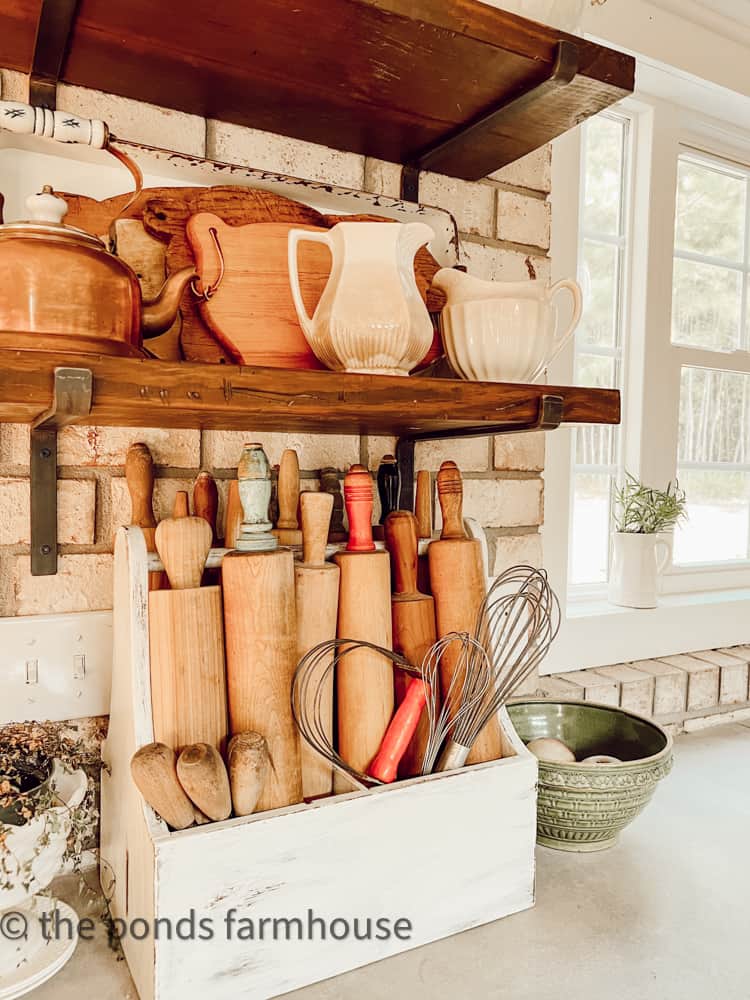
{"points": [[439, 156], [548, 418], [53, 31], [71, 400]]}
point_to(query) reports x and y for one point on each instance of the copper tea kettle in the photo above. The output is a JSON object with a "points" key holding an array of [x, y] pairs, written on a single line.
{"points": [[61, 289]]}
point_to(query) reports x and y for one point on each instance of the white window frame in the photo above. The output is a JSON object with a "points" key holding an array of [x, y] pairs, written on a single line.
{"points": [[702, 606]]}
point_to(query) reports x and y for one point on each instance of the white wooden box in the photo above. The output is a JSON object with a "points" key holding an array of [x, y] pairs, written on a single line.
{"points": [[446, 852]]}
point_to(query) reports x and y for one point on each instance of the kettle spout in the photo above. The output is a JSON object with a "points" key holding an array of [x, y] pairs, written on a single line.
{"points": [[159, 314]]}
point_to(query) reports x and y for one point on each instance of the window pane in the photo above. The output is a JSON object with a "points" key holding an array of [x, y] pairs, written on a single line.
{"points": [[706, 303], [718, 516], [595, 442], [590, 549], [604, 144], [599, 279], [710, 217], [714, 416]]}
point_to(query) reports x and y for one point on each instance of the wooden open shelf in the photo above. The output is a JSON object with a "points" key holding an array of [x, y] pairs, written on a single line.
{"points": [[146, 393], [392, 79]]}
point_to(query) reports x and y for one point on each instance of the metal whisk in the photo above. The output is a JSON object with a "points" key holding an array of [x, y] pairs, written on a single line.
{"points": [[308, 692], [516, 623]]}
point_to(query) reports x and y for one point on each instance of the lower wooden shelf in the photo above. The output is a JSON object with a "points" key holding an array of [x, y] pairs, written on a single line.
{"points": [[137, 392]]}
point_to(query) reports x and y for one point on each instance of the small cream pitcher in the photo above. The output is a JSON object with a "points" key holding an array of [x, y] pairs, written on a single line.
{"points": [[502, 331], [371, 317]]}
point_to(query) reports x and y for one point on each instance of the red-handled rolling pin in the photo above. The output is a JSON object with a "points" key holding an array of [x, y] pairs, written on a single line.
{"points": [[399, 733], [358, 497]]}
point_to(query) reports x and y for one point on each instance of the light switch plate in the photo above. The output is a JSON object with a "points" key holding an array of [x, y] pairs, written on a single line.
{"points": [[55, 667]]}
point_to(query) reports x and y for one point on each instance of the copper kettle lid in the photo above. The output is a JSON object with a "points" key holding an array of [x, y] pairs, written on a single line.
{"points": [[46, 212]]}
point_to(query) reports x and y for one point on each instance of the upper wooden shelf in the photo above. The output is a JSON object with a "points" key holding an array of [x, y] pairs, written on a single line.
{"points": [[147, 393], [393, 79]]}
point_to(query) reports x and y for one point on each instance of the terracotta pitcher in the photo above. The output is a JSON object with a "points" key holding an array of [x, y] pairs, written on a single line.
{"points": [[371, 317]]}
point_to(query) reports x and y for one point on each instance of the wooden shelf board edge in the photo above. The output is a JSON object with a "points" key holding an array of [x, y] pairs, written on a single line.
{"points": [[145, 393]]}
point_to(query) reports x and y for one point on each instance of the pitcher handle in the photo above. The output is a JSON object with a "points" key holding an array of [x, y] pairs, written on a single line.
{"points": [[560, 340], [661, 564], [297, 236]]}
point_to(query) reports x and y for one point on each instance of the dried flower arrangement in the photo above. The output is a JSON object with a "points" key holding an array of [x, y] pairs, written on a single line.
{"points": [[27, 752]]}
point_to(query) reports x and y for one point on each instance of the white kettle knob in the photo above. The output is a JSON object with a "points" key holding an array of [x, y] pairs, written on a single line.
{"points": [[46, 206]]}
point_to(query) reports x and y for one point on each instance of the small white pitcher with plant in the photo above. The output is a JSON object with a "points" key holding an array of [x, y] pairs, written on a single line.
{"points": [[639, 554]]}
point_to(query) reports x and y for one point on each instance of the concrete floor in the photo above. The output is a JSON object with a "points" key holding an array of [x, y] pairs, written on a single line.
{"points": [[662, 916]]}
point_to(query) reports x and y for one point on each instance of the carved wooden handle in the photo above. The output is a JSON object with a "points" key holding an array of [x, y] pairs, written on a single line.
{"points": [[451, 496], [204, 777], [401, 542], [25, 119], [139, 475], [206, 500], [358, 499], [315, 511], [181, 506], [154, 772], [288, 490]]}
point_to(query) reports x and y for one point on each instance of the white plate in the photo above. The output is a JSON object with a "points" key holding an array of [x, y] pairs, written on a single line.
{"points": [[44, 964]]}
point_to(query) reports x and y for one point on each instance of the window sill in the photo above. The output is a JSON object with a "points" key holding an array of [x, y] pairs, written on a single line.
{"points": [[595, 633]]}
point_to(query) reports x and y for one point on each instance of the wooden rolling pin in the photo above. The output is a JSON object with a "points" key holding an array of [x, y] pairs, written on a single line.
{"points": [[139, 475], [249, 763], [186, 638], [181, 506], [317, 592], [423, 512], [413, 623], [155, 774], [329, 483], [287, 527], [261, 635], [202, 774], [458, 586], [206, 501], [364, 679], [233, 517]]}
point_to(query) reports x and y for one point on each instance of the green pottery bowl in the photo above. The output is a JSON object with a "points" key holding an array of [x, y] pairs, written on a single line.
{"points": [[583, 807]]}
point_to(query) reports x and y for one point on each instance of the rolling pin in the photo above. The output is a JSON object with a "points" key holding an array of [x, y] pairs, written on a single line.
{"points": [[287, 527], [389, 487], [458, 586], [206, 501], [155, 774], [202, 774], [186, 639], [261, 635], [423, 513], [249, 764], [423, 504], [364, 678], [413, 617], [139, 475], [181, 506], [317, 592], [233, 516], [329, 483]]}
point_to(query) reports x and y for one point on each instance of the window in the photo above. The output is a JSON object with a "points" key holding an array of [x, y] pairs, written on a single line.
{"points": [[711, 313], [602, 274], [656, 224]]}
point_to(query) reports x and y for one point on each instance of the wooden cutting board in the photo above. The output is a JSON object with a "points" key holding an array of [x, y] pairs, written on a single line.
{"points": [[166, 216], [251, 313]]}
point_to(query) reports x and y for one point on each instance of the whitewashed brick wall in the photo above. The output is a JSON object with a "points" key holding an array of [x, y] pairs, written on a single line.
{"points": [[503, 222]]}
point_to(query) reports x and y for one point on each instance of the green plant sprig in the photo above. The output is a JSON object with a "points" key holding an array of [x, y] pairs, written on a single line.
{"points": [[641, 510]]}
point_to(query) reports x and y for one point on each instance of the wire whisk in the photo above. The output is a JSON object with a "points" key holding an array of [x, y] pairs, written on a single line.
{"points": [[308, 694], [516, 624]]}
